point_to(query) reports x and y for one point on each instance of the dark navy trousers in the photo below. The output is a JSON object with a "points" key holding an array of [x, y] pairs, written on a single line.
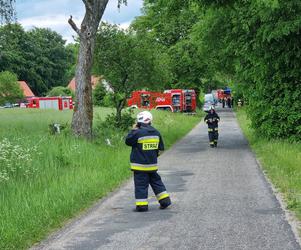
{"points": [[213, 135], [142, 180]]}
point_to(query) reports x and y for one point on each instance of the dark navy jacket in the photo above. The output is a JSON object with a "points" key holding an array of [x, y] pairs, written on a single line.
{"points": [[146, 142], [212, 120]]}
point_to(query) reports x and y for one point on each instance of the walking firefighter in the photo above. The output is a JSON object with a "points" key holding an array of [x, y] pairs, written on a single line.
{"points": [[212, 120], [146, 143]]}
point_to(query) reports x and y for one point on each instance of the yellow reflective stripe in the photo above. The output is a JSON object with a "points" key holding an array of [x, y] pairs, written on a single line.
{"points": [[163, 196], [148, 140], [144, 168], [211, 142], [141, 203], [212, 129]]}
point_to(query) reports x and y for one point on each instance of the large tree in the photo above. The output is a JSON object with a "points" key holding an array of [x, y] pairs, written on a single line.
{"points": [[38, 56], [127, 63], [169, 23], [83, 111]]}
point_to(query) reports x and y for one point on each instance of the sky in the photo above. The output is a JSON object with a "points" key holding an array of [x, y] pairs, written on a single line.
{"points": [[54, 14]]}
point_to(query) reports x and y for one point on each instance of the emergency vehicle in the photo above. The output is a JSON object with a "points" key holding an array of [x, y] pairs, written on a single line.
{"points": [[223, 93], [175, 100], [58, 102]]}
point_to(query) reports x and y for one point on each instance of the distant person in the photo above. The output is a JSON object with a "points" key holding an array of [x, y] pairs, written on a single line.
{"points": [[146, 143], [223, 102], [212, 119], [229, 102], [232, 101]]}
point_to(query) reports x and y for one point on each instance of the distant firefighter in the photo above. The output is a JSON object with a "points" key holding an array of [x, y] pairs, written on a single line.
{"points": [[229, 102], [212, 120]]}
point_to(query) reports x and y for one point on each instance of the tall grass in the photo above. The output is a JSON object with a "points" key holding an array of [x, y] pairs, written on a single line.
{"points": [[281, 160], [46, 179]]}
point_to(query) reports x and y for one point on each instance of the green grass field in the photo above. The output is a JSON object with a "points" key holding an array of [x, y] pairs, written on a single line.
{"points": [[47, 179], [281, 161]]}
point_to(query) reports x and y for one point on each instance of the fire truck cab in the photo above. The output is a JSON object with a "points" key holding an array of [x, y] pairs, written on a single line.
{"points": [[175, 100], [143, 99]]}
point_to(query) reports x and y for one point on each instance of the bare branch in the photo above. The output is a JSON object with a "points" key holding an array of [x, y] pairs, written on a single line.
{"points": [[88, 5], [73, 25], [120, 2]]}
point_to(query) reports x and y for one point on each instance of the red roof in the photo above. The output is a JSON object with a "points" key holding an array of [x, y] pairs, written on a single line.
{"points": [[26, 90], [94, 81]]}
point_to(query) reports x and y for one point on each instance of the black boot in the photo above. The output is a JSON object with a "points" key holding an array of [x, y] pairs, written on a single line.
{"points": [[164, 203], [142, 208]]}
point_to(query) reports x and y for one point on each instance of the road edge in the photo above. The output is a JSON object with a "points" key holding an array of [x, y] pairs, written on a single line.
{"points": [[290, 216]]}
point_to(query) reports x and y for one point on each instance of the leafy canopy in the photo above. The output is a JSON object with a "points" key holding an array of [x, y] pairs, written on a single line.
{"points": [[10, 90]]}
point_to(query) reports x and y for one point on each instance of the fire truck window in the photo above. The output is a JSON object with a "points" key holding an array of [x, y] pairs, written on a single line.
{"points": [[176, 100], [188, 99], [145, 100]]}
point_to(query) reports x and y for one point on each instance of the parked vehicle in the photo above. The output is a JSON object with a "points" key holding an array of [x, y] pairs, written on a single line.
{"points": [[174, 100], [8, 105], [223, 94], [58, 103]]}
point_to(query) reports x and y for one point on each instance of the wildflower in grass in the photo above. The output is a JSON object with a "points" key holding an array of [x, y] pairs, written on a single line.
{"points": [[15, 159]]}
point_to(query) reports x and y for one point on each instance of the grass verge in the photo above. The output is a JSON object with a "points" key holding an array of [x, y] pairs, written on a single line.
{"points": [[281, 161], [47, 179]]}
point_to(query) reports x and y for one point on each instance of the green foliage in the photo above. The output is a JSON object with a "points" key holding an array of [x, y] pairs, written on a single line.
{"points": [[168, 25], [99, 94], [126, 62], [72, 52], [254, 46], [10, 90], [111, 130], [60, 91], [257, 44], [38, 56]]}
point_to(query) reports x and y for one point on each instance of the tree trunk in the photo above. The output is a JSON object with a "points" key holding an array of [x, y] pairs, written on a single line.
{"points": [[119, 109], [83, 111]]}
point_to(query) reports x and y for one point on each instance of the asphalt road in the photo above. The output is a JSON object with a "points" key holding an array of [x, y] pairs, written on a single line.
{"points": [[220, 197]]}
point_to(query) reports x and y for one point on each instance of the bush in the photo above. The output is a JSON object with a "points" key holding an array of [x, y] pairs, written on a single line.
{"points": [[10, 90], [113, 130], [275, 110], [60, 91], [98, 94]]}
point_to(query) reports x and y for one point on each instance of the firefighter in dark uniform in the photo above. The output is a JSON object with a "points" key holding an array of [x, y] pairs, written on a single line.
{"points": [[146, 142], [212, 120]]}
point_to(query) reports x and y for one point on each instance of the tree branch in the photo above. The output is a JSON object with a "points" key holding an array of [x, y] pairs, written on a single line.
{"points": [[73, 25], [120, 2]]}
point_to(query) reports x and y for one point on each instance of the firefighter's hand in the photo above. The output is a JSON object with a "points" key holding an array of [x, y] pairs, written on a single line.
{"points": [[135, 126]]}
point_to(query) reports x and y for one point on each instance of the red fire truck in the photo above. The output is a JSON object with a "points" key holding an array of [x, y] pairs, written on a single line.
{"points": [[175, 100], [223, 93], [58, 103]]}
